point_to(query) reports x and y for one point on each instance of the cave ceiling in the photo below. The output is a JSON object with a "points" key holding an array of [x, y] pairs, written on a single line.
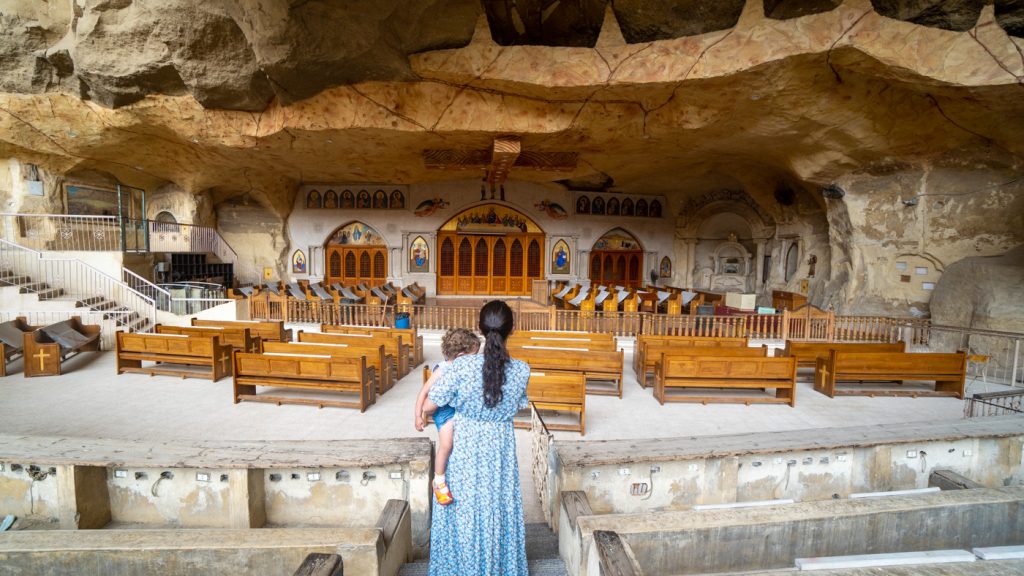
{"points": [[256, 96]]}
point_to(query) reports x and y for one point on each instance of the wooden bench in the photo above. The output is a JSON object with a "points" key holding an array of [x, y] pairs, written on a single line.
{"points": [[376, 355], [731, 373], [267, 330], [642, 364], [49, 346], [409, 336], [593, 364], [561, 391], [808, 353], [373, 357], [173, 349], [542, 342], [12, 340], [948, 371], [238, 338], [305, 372], [394, 347], [655, 351]]}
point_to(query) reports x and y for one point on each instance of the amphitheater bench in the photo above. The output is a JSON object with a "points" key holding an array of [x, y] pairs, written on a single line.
{"points": [[323, 373], [642, 364], [267, 330], [238, 338], [727, 373], [593, 364], [377, 363], [171, 350], [46, 348], [558, 391], [808, 353], [12, 340], [948, 371], [409, 336]]}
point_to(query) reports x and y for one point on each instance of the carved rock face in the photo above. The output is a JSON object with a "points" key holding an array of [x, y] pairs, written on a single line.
{"points": [[957, 15]]}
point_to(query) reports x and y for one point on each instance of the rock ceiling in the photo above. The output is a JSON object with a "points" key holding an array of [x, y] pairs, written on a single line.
{"points": [[254, 96]]}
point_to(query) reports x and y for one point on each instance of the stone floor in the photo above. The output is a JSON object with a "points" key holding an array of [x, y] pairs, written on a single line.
{"points": [[91, 401]]}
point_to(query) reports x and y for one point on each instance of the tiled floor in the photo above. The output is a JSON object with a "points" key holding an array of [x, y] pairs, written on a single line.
{"points": [[91, 401]]}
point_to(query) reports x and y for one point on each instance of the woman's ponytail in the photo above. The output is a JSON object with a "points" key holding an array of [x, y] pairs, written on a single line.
{"points": [[495, 325]]}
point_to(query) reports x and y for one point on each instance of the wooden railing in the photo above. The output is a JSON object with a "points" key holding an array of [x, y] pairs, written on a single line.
{"points": [[817, 326]]}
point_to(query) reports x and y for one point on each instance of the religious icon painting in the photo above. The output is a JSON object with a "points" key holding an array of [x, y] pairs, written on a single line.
{"points": [[313, 200], [380, 199], [655, 210], [583, 205], [597, 206], [419, 255], [641, 207], [298, 262], [347, 199], [363, 199], [612, 208], [397, 200], [666, 267], [330, 199], [560, 258], [627, 207]]}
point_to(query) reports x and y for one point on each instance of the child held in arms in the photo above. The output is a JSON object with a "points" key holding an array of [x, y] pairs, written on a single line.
{"points": [[456, 342]]}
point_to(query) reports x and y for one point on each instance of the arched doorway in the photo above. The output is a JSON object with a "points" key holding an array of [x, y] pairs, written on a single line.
{"points": [[617, 259], [489, 249], [356, 254]]}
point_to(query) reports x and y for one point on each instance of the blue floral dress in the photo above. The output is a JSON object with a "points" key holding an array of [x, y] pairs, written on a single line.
{"points": [[481, 533]]}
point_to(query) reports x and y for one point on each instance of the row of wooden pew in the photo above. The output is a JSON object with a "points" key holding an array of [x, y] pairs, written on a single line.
{"points": [[335, 293], [44, 348], [729, 364], [363, 361], [665, 299]]}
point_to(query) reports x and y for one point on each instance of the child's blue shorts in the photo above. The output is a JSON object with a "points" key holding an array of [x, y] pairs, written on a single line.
{"points": [[442, 415]]}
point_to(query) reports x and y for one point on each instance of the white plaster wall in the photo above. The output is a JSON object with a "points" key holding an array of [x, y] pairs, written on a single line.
{"points": [[311, 227]]}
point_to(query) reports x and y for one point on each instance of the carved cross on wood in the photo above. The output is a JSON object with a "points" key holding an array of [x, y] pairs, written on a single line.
{"points": [[42, 355], [224, 360]]}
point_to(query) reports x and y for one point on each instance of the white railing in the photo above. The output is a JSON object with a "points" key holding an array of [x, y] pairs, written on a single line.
{"points": [[79, 281], [167, 237], [183, 299]]}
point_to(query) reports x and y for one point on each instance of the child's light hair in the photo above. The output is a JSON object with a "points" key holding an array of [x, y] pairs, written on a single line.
{"points": [[459, 341]]}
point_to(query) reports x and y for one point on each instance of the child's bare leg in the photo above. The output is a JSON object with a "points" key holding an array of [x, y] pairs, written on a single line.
{"points": [[445, 442]]}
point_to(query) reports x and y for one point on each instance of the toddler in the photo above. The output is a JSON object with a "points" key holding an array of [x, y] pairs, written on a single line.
{"points": [[456, 342]]}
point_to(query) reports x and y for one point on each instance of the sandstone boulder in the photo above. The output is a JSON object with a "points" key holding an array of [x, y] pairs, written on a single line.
{"points": [[957, 15], [982, 292]]}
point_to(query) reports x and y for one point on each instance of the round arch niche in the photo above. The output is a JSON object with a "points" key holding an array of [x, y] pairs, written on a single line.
{"points": [[489, 249], [356, 254], [617, 259]]}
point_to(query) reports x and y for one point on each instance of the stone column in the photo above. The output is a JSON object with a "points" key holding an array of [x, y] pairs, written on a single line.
{"points": [[759, 264], [583, 268], [691, 261]]}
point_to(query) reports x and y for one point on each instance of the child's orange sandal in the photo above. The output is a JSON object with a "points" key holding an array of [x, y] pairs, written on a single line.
{"points": [[443, 494]]}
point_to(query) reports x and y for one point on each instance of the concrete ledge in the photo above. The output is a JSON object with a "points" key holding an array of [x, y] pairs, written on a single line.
{"points": [[773, 537], [989, 568], [186, 552]]}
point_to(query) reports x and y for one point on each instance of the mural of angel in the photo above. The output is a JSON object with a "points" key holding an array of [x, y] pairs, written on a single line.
{"points": [[555, 211], [428, 207]]}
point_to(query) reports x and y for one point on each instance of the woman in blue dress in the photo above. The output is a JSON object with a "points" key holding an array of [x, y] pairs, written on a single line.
{"points": [[481, 532]]}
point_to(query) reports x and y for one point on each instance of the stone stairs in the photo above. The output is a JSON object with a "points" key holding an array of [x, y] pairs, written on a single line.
{"points": [[541, 555], [120, 315]]}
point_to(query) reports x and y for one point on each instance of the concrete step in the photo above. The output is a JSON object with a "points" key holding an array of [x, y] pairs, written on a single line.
{"points": [[34, 287], [14, 280], [91, 300], [51, 293], [140, 325], [100, 305]]}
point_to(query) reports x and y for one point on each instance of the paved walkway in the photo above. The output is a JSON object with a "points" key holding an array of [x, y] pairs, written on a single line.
{"points": [[91, 401]]}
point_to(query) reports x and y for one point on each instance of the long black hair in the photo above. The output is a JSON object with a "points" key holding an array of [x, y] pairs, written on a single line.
{"points": [[495, 325]]}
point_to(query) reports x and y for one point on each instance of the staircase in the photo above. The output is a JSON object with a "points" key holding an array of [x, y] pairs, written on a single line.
{"points": [[541, 555]]}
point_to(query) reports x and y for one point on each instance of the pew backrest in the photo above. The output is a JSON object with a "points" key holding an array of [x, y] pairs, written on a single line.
{"points": [[267, 330], [240, 338]]}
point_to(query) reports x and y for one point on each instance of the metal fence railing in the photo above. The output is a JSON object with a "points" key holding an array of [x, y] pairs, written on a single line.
{"points": [[182, 298], [1005, 403]]}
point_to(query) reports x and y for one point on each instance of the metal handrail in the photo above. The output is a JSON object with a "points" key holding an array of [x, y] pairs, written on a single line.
{"points": [[89, 280], [167, 302]]}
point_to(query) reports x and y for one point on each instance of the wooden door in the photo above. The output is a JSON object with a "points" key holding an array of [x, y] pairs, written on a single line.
{"points": [[357, 264], [487, 264]]}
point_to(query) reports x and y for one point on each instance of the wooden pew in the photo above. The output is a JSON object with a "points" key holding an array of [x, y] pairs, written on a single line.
{"points": [[393, 346], [948, 371], [564, 335], [808, 353], [169, 349], [374, 358], [654, 351], [239, 338], [733, 373], [514, 342], [376, 355], [561, 391], [12, 340], [409, 336], [267, 330], [593, 364], [642, 364], [305, 372], [49, 346]]}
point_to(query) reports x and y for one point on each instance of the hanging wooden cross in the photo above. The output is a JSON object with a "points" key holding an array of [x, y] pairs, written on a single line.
{"points": [[505, 153]]}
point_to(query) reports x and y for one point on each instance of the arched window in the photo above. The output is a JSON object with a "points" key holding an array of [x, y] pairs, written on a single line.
{"points": [[480, 258], [515, 256], [465, 258], [364, 265], [334, 269], [498, 262], [350, 265], [447, 257], [792, 261], [533, 260], [379, 266], [595, 267]]}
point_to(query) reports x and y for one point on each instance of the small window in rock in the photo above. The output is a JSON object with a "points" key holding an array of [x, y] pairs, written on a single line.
{"points": [[921, 270], [901, 265], [927, 285]]}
